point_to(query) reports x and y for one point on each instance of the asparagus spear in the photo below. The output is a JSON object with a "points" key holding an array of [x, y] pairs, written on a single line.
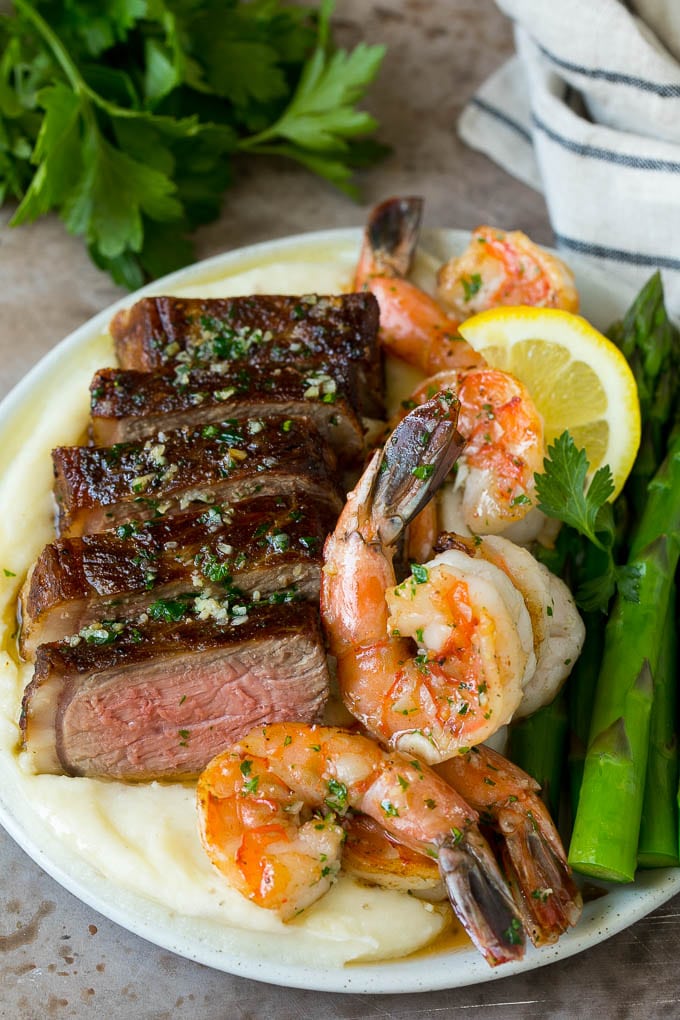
{"points": [[605, 838], [658, 844], [584, 553], [538, 744], [651, 345], [581, 695]]}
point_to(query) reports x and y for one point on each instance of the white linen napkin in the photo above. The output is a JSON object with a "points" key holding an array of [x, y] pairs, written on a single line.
{"points": [[589, 113]]}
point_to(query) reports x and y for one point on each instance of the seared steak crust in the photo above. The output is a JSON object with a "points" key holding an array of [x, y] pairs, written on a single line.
{"points": [[162, 699], [265, 544], [310, 332], [97, 488], [191, 534], [131, 405]]}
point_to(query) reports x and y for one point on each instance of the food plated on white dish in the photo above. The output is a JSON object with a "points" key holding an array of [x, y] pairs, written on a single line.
{"points": [[137, 846]]}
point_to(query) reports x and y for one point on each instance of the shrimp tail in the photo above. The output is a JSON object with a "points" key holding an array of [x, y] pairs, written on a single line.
{"points": [[528, 844], [390, 239], [415, 461], [481, 899], [544, 891]]}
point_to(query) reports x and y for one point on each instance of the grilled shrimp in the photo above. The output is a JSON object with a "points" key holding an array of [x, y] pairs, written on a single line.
{"points": [[504, 268], [412, 325], [531, 851], [558, 629], [494, 484], [529, 846], [271, 811], [437, 663], [503, 428]]}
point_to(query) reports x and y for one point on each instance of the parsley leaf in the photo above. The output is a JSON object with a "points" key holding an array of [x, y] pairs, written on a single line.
{"points": [[562, 491], [321, 122], [562, 494]]}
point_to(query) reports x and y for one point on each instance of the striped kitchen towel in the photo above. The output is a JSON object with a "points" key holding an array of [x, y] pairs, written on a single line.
{"points": [[588, 111]]}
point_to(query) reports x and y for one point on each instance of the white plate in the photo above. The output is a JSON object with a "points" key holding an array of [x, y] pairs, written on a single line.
{"points": [[251, 954]]}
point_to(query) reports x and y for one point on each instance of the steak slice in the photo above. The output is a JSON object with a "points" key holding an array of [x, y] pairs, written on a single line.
{"points": [[162, 699], [265, 544], [309, 332], [97, 488], [131, 405]]}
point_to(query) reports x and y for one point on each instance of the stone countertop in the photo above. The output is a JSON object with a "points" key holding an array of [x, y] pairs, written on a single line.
{"points": [[58, 957]]}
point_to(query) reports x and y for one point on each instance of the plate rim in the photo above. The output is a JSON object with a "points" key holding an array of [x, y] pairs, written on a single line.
{"points": [[426, 971]]}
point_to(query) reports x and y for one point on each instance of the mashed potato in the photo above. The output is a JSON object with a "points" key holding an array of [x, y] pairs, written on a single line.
{"points": [[133, 850]]}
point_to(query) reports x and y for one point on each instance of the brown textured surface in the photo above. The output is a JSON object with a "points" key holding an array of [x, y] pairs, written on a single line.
{"points": [[128, 405], [59, 957], [77, 581], [98, 487], [336, 333]]}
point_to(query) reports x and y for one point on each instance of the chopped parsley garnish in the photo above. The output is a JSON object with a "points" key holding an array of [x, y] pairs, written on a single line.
{"points": [[471, 285], [213, 569], [279, 542], [126, 530], [212, 517], [420, 573], [541, 895], [308, 542], [168, 610], [423, 471], [337, 799], [513, 933]]}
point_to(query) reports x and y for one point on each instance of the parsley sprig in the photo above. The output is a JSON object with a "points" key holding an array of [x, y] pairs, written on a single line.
{"points": [[563, 493], [125, 118]]}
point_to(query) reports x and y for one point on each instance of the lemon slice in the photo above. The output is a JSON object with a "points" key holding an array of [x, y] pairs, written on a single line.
{"points": [[579, 380]]}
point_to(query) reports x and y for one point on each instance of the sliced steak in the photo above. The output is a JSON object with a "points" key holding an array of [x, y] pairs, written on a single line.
{"points": [[131, 405], [265, 544], [161, 700], [97, 488], [310, 332]]}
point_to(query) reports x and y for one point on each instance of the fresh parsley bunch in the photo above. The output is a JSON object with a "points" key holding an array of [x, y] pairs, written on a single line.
{"points": [[124, 117]]}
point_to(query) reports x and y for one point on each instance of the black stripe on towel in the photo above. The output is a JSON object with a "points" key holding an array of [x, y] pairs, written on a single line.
{"points": [[596, 152], [497, 114], [634, 258], [615, 77]]}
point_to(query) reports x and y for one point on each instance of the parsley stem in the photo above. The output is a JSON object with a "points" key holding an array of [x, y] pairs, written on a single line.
{"points": [[55, 44]]}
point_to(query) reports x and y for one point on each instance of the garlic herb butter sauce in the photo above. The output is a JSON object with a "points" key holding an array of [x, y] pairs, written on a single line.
{"points": [[142, 841]]}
